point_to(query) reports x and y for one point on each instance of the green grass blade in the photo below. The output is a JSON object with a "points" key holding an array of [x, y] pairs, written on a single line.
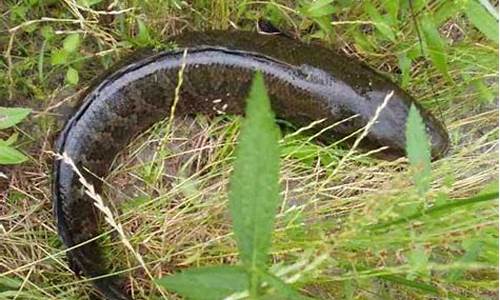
{"points": [[456, 203], [392, 8], [207, 283], [434, 46], [254, 186], [418, 150], [482, 20], [411, 283], [380, 23], [490, 8]]}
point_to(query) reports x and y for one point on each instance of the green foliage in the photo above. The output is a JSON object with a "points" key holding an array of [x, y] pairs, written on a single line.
{"points": [[254, 189], [10, 116], [208, 283], [320, 13], [392, 7], [472, 249], [405, 66], [418, 150], [9, 284], [72, 76], [59, 57], [143, 38], [317, 9], [482, 20], [71, 43], [65, 55], [382, 24], [12, 288], [89, 3], [437, 210], [434, 46], [418, 260], [9, 155]]}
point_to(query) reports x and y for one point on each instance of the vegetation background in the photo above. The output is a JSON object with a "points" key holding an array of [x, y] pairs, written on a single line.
{"points": [[443, 52]]}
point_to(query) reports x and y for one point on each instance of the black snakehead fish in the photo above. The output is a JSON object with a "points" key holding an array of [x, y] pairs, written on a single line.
{"points": [[305, 83]]}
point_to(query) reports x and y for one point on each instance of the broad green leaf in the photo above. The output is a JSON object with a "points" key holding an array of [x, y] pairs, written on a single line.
{"points": [[59, 57], [207, 283], [71, 42], [10, 116], [72, 76], [380, 22], [11, 156], [418, 150], [434, 46], [319, 9], [254, 186], [482, 20]]}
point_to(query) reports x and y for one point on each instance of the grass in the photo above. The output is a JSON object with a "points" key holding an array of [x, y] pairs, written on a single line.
{"points": [[324, 243]]}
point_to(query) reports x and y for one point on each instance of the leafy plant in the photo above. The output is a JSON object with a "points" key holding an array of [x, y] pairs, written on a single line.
{"points": [[381, 23], [319, 12], [66, 54], [418, 150], [254, 198], [10, 116], [434, 46], [482, 19]]}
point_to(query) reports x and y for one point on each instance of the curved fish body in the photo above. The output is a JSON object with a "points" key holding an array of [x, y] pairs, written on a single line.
{"points": [[305, 83]]}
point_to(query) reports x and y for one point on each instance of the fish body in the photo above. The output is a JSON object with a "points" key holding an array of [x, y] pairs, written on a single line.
{"points": [[305, 83]]}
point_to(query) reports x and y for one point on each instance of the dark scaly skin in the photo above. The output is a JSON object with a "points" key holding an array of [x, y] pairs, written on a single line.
{"points": [[305, 83]]}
